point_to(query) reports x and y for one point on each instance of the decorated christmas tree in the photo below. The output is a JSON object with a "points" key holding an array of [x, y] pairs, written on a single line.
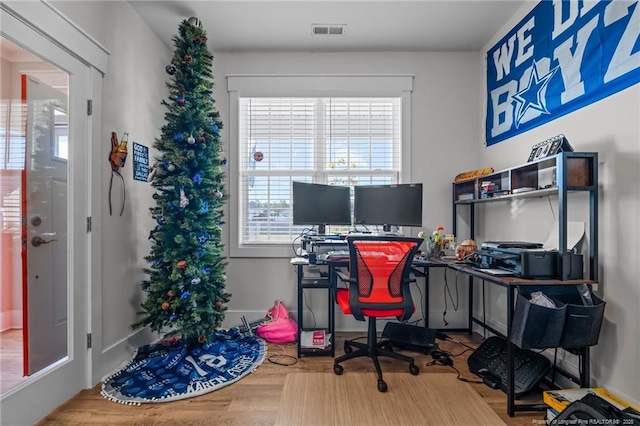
{"points": [[185, 288]]}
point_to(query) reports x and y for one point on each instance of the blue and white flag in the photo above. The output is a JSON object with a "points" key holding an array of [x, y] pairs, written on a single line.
{"points": [[564, 55]]}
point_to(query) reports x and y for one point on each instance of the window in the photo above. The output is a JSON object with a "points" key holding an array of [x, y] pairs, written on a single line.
{"points": [[336, 141], [329, 129]]}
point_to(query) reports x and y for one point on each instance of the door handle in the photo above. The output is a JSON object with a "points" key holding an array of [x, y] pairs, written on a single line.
{"points": [[38, 241]]}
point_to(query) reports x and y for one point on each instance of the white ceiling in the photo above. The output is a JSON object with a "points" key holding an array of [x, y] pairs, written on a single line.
{"points": [[285, 26]]}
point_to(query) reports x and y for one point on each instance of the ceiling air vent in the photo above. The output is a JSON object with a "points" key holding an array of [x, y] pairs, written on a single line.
{"points": [[328, 29]]}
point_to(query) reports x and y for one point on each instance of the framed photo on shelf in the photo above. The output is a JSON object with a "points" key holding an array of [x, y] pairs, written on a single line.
{"points": [[549, 148]]}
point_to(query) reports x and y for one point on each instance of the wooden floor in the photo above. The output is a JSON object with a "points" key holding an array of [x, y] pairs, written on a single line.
{"points": [[255, 399], [11, 365]]}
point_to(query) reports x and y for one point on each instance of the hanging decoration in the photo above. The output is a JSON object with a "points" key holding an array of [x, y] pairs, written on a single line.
{"points": [[117, 159]]}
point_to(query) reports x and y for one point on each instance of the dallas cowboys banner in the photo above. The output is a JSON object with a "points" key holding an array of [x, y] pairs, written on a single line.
{"points": [[562, 56]]}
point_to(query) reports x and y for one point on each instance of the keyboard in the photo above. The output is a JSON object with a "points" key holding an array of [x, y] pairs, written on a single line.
{"points": [[494, 271], [489, 360]]}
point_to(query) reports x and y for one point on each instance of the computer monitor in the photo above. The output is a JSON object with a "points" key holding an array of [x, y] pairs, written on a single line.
{"points": [[319, 205], [388, 205]]}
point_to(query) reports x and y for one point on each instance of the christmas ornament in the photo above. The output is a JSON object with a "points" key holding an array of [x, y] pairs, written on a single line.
{"points": [[202, 339], [215, 128], [195, 281], [165, 306], [180, 100], [188, 59], [218, 303], [178, 136], [197, 178], [216, 193], [184, 201], [169, 166], [203, 238], [191, 140], [184, 295], [173, 318], [195, 22], [170, 69], [170, 293], [204, 206], [258, 156], [182, 264]]}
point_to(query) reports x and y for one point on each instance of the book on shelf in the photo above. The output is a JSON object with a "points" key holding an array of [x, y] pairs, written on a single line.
{"points": [[317, 339]]}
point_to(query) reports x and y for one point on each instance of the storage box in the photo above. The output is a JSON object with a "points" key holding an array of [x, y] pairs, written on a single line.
{"points": [[558, 400], [570, 325]]}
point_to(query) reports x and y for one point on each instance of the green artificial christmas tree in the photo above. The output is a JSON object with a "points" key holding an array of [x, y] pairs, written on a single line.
{"points": [[186, 279]]}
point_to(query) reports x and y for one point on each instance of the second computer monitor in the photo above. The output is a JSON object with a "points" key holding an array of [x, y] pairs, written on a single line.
{"points": [[388, 205]]}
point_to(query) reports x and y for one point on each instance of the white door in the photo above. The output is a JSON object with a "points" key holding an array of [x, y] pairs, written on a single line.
{"points": [[45, 331], [67, 310]]}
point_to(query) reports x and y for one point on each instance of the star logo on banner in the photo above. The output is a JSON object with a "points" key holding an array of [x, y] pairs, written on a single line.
{"points": [[531, 96]]}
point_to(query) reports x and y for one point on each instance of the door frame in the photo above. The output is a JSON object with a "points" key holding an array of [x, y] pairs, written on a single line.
{"points": [[42, 30]]}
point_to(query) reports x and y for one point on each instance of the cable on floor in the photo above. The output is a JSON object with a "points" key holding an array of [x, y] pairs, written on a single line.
{"points": [[283, 358]]}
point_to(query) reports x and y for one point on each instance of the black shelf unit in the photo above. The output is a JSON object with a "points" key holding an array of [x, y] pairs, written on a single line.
{"points": [[556, 176], [322, 283], [573, 171]]}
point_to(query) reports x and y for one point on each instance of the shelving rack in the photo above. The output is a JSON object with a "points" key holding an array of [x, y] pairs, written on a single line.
{"points": [[556, 175]]}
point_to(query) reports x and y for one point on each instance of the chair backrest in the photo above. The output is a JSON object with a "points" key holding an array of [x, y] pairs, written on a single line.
{"points": [[380, 268]]}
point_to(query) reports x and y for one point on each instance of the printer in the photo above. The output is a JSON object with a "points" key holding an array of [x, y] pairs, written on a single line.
{"points": [[528, 260]]}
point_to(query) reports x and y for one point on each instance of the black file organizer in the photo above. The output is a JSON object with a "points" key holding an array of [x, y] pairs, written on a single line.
{"points": [[570, 325]]}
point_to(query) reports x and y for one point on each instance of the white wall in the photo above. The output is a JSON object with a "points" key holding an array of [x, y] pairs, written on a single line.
{"points": [[133, 87], [610, 127], [444, 115]]}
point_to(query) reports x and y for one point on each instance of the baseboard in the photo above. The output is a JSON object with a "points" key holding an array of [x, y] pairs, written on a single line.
{"points": [[10, 319]]}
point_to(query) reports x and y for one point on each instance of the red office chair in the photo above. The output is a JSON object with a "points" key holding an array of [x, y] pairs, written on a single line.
{"points": [[378, 287]]}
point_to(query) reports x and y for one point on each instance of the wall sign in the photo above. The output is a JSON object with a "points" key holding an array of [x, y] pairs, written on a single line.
{"points": [[564, 55], [140, 162]]}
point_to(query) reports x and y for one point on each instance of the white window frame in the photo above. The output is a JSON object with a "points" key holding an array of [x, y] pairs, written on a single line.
{"points": [[311, 86]]}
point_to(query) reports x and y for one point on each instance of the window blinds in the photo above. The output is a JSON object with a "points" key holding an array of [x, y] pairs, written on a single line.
{"points": [[341, 141]]}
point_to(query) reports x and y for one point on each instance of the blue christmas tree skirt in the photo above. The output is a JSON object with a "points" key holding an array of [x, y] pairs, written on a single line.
{"points": [[169, 371]]}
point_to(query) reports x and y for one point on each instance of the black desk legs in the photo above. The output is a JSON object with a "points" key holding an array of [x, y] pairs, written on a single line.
{"points": [[425, 308], [470, 308], [511, 394]]}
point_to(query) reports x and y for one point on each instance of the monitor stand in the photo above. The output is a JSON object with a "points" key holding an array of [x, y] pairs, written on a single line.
{"points": [[386, 229], [321, 229]]}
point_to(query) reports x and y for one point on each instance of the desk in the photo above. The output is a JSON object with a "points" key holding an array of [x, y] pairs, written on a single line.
{"points": [[511, 283], [329, 283]]}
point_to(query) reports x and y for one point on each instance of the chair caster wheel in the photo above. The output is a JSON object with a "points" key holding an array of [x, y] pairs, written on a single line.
{"points": [[413, 369], [337, 368], [382, 386], [347, 348]]}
